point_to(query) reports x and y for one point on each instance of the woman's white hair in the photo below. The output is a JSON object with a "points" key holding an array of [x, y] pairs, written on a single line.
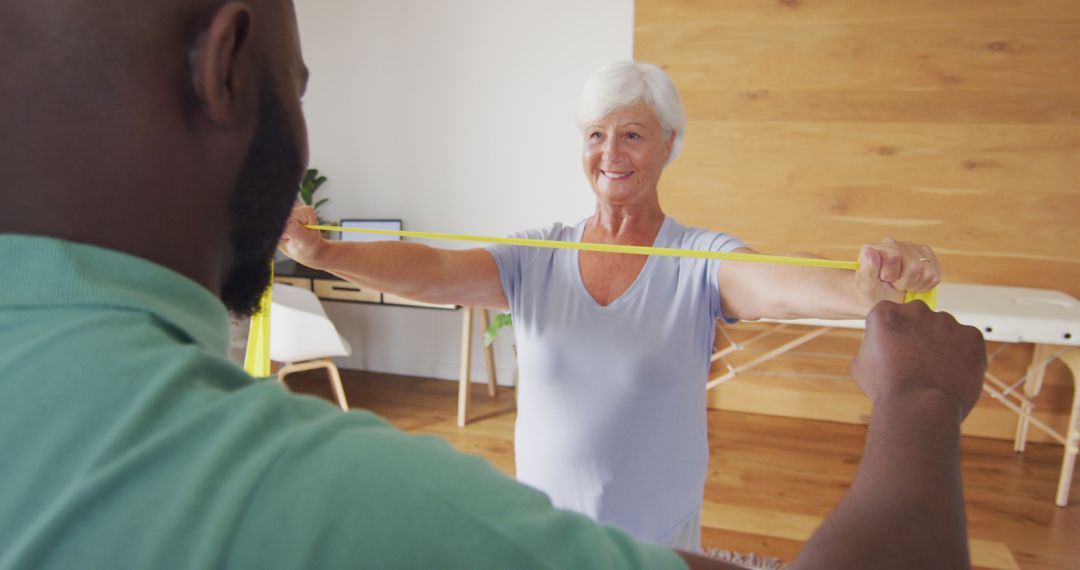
{"points": [[627, 83]]}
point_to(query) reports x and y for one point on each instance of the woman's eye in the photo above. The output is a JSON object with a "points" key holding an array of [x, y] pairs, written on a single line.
{"points": [[633, 136], [594, 135]]}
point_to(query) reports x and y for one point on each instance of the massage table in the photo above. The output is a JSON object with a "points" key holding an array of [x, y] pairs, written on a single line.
{"points": [[1050, 320]]}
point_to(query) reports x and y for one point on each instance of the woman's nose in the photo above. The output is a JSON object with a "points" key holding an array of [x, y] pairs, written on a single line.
{"points": [[611, 152]]}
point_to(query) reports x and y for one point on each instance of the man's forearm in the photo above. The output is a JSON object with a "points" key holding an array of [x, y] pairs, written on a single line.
{"points": [[905, 508]]}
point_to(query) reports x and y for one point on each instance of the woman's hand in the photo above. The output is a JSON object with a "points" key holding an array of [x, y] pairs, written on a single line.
{"points": [[888, 269], [301, 244]]}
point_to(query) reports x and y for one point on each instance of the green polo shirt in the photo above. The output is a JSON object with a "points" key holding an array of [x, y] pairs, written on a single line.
{"points": [[129, 440]]}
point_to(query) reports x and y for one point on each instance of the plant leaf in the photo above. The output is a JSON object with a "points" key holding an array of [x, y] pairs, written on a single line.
{"points": [[501, 320], [309, 185]]}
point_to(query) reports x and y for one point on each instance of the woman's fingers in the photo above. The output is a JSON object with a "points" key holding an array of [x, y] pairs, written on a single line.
{"points": [[908, 266]]}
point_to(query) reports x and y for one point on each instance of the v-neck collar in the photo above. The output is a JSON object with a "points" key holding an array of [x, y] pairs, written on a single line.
{"points": [[634, 287]]}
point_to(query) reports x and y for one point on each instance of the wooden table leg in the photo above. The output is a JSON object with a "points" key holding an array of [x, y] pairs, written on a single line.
{"points": [[466, 365], [1072, 435], [489, 353], [1036, 372]]}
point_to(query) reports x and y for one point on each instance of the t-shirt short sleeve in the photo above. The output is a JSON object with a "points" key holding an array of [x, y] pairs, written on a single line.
{"points": [[513, 261], [706, 240]]}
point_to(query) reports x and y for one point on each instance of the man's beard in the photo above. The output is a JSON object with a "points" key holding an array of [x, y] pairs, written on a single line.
{"points": [[260, 205]]}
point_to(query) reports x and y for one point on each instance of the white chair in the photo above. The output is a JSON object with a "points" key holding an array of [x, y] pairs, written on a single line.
{"points": [[303, 338]]}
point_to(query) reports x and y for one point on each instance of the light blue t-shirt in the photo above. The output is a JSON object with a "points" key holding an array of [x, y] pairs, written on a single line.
{"points": [[611, 405]]}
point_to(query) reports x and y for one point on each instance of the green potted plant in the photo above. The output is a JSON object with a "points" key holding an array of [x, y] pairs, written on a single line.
{"points": [[501, 320], [309, 186]]}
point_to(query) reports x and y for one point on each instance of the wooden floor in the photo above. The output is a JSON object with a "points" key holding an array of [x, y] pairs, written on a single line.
{"points": [[772, 480]]}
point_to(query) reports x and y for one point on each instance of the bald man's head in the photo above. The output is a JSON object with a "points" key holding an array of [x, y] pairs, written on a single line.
{"points": [[168, 129]]}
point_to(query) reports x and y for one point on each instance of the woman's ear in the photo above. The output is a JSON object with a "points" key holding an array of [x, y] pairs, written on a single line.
{"points": [[671, 148], [223, 66]]}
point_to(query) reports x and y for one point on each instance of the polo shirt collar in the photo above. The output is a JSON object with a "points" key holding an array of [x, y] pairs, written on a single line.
{"points": [[43, 272]]}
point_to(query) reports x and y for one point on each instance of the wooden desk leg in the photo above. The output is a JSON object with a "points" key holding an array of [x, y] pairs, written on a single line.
{"points": [[1036, 372], [489, 353], [466, 365]]}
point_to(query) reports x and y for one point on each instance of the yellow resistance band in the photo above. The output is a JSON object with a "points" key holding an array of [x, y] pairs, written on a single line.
{"points": [[257, 357], [609, 248], [928, 297]]}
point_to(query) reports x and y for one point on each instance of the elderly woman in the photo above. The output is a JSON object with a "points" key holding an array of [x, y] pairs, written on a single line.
{"points": [[614, 349]]}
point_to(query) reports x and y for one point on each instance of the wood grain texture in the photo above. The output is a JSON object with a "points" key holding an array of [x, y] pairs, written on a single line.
{"points": [[771, 479], [669, 12], [822, 125], [968, 54]]}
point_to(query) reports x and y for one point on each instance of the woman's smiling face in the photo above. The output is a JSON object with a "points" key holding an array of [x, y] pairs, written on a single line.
{"points": [[624, 154]]}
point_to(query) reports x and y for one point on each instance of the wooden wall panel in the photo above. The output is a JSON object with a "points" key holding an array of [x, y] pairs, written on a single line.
{"points": [[820, 125], [660, 13]]}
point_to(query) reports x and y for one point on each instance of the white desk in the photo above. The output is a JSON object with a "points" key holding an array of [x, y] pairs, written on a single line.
{"points": [[1050, 320]]}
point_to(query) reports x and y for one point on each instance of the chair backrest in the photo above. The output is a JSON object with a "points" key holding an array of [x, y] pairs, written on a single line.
{"points": [[300, 329]]}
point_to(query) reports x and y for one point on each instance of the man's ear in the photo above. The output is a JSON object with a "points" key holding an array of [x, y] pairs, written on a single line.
{"points": [[222, 65]]}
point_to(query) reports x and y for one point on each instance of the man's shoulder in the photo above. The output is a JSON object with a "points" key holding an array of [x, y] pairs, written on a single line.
{"points": [[362, 488]]}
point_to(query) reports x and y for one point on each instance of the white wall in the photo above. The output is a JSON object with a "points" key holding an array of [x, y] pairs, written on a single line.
{"points": [[456, 116]]}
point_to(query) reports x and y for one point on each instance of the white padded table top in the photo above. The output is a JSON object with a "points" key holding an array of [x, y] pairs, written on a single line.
{"points": [[1003, 314]]}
